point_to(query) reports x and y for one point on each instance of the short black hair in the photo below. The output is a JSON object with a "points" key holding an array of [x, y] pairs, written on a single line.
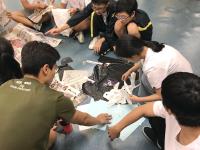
{"points": [[99, 2], [35, 55], [6, 47], [127, 6], [9, 67], [181, 94]]}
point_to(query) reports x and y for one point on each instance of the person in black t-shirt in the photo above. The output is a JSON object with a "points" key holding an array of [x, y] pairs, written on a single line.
{"points": [[102, 13], [132, 20]]}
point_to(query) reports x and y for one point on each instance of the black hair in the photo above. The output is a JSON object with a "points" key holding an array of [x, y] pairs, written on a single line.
{"points": [[99, 2], [9, 67], [35, 55], [128, 46], [127, 6], [181, 94]]}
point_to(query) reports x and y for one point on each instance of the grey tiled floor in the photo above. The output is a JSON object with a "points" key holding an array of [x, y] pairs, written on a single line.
{"points": [[176, 23]]}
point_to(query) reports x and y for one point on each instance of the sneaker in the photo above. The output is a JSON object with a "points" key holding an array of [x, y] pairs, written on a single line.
{"points": [[150, 135], [92, 43], [80, 37]]}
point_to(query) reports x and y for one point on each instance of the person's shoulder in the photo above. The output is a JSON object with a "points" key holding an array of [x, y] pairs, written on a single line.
{"points": [[142, 14], [159, 110], [51, 92], [169, 49], [3, 84]]}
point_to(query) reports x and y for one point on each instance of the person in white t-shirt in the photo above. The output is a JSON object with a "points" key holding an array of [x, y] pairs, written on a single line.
{"points": [[30, 6], [180, 108], [74, 7], [156, 61]]}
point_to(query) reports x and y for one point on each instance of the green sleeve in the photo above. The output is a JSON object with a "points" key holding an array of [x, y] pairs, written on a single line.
{"points": [[65, 108]]}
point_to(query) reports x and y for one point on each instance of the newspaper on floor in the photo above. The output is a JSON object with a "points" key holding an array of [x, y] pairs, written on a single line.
{"points": [[71, 85], [21, 34], [61, 16], [27, 34], [37, 16]]}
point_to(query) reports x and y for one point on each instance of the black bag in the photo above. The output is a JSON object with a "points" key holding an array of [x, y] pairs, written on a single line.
{"points": [[105, 77]]}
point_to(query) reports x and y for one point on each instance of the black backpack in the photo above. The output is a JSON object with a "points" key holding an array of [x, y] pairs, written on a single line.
{"points": [[106, 76]]}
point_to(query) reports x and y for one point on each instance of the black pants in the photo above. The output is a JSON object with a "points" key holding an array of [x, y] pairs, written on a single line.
{"points": [[158, 126]]}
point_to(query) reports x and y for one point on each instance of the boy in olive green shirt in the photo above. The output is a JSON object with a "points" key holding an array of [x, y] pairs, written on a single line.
{"points": [[29, 108]]}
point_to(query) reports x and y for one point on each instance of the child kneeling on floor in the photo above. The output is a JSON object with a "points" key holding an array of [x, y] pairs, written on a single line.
{"points": [[180, 107]]}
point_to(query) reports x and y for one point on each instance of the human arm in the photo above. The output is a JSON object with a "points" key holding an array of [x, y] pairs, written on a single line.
{"points": [[135, 67], [74, 20], [85, 119], [98, 44], [153, 97], [33, 6], [80, 16], [155, 77], [133, 30], [145, 110], [57, 30], [66, 110]]}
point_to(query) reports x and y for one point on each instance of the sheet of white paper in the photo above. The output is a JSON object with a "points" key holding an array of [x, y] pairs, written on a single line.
{"points": [[61, 16], [117, 112], [75, 78]]}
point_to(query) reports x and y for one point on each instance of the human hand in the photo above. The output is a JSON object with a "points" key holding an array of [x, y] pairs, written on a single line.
{"points": [[72, 11], [113, 133], [54, 31], [135, 98], [104, 118], [98, 44], [126, 75]]}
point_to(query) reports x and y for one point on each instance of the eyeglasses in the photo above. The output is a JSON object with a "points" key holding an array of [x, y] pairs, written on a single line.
{"points": [[121, 17]]}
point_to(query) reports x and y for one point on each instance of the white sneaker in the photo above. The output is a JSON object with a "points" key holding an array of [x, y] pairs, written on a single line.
{"points": [[92, 43], [80, 37]]}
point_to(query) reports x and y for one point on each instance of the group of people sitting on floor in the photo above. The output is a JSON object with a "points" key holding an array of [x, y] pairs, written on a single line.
{"points": [[169, 92]]}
